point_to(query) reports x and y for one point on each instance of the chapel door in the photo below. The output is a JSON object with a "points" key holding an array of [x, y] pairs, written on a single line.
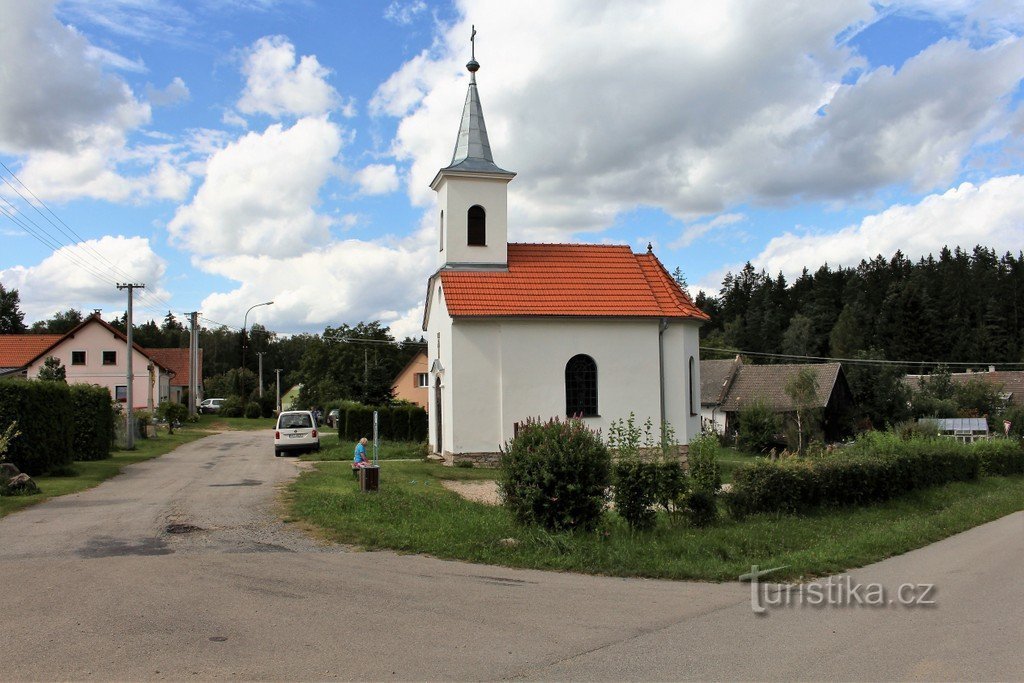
{"points": [[437, 411]]}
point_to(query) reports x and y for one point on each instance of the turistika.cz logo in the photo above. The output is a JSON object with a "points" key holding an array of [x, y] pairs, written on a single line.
{"points": [[840, 591]]}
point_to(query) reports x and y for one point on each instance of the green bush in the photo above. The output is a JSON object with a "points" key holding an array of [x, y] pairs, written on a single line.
{"points": [[878, 467], [172, 412], [93, 422], [231, 407], [1000, 457], [394, 423], [701, 508], [759, 427], [43, 412], [253, 410], [555, 474], [636, 491], [705, 471]]}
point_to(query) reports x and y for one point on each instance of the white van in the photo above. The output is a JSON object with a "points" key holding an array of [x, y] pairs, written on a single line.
{"points": [[296, 432]]}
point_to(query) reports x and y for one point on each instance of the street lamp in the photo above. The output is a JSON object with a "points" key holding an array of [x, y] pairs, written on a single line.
{"points": [[245, 323]]}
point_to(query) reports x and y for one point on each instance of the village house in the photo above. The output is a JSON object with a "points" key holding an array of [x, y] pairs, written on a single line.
{"points": [[730, 385], [94, 352], [412, 381], [516, 331], [1010, 383]]}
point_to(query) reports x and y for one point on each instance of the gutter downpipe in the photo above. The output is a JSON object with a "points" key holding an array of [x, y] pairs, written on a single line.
{"points": [[662, 326]]}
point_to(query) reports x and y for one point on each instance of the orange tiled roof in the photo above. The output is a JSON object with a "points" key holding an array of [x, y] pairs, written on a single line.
{"points": [[587, 280], [175, 360], [18, 350]]}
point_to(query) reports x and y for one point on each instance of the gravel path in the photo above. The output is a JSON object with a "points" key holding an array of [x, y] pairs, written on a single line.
{"points": [[485, 492]]}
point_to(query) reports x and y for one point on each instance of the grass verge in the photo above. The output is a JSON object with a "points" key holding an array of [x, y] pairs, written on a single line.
{"points": [[414, 513], [217, 423], [94, 472], [333, 449]]}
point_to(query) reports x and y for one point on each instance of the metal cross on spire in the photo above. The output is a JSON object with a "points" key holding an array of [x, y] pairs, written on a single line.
{"points": [[472, 43]]}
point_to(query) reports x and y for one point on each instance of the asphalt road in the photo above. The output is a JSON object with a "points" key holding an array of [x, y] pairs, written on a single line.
{"points": [[179, 569]]}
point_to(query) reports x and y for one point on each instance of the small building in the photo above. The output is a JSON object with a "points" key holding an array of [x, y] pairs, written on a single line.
{"points": [[413, 382], [964, 429], [587, 331], [734, 385], [94, 352]]}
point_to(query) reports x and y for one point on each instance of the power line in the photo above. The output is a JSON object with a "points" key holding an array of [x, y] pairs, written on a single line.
{"points": [[862, 361], [89, 258]]}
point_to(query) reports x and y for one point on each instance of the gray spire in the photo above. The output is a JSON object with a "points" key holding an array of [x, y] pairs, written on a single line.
{"points": [[472, 148]]}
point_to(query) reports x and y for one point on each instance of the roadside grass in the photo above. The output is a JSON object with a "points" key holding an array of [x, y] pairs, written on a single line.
{"points": [[217, 423], [94, 472], [413, 513], [331, 448]]}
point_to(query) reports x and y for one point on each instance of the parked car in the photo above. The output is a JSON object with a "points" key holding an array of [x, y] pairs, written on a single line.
{"points": [[210, 405], [296, 432], [332, 417]]}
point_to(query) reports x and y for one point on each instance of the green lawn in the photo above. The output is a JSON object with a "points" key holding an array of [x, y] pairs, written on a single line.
{"points": [[92, 473], [333, 449], [413, 513], [730, 458]]}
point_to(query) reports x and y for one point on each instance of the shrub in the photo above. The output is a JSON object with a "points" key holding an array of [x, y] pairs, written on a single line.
{"points": [[231, 407], [395, 423], [555, 474], [253, 410], [172, 413], [42, 411], [758, 426], [93, 422], [878, 467], [701, 508], [1000, 457], [705, 472], [636, 490]]}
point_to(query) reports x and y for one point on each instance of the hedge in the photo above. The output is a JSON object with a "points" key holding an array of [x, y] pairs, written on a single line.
{"points": [[855, 478], [1000, 457], [394, 423], [44, 412], [93, 430]]}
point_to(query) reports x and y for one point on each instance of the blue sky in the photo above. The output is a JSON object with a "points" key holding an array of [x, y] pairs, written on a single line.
{"points": [[232, 152]]}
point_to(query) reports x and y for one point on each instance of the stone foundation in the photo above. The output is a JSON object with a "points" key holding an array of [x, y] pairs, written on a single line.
{"points": [[475, 459], [492, 459]]}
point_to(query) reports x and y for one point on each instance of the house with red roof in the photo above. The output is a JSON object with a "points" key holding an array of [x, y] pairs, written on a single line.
{"points": [[544, 330], [95, 352]]}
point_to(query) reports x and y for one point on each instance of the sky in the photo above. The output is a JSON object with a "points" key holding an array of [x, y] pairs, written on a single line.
{"points": [[231, 152]]}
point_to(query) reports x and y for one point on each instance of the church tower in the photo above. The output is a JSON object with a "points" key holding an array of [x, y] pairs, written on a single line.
{"points": [[472, 193]]}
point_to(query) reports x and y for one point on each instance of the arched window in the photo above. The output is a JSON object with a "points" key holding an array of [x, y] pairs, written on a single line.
{"points": [[440, 230], [693, 402], [476, 219], [581, 387]]}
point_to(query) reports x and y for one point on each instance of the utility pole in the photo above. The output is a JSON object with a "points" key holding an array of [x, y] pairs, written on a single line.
{"points": [[129, 422], [260, 354], [278, 371], [193, 362]]}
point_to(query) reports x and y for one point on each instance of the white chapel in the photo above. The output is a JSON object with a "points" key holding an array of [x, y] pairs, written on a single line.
{"points": [[544, 330]]}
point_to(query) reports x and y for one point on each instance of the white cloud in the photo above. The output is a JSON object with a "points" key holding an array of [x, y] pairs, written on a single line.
{"points": [[277, 84], [174, 93], [403, 13], [57, 96], [377, 179], [991, 214], [350, 280], [695, 231], [260, 193], [60, 281], [697, 108]]}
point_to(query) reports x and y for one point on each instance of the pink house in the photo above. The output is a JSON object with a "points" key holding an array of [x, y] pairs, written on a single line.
{"points": [[95, 352]]}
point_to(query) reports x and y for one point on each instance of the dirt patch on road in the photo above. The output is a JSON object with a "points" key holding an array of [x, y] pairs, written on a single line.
{"points": [[485, 492]]}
